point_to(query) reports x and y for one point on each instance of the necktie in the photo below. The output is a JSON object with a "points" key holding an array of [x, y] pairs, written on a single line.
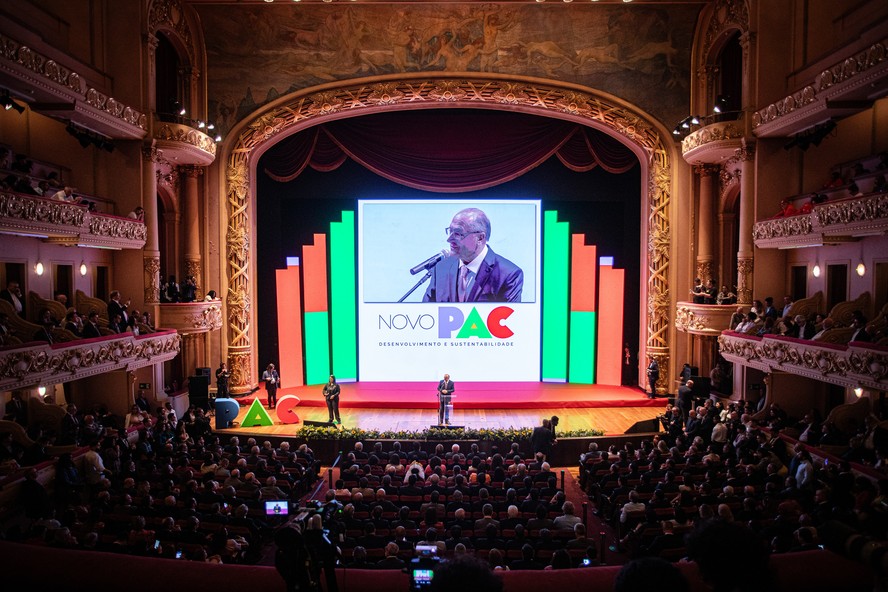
{"points": [[463, 282]]}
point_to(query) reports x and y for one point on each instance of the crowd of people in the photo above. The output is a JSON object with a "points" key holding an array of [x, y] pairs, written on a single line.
{"points": [[501, 506], [177, 491], [764, 318], [715, 464], [19, 176], [120, 319]]}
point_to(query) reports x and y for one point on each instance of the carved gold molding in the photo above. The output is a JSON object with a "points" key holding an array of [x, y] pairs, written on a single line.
{"points": [[193, 269], [745, 268], [31, 209], [713, 133], [727, 16], [353, 97], [24, 367], [151, 265], [192, 317], [169, 15], [846, 366], [841, 71], [185, 143], [703, 319], [53, 71], [67, 223], [830, 222]]}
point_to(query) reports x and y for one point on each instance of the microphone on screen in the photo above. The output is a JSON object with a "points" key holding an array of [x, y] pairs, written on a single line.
{"points": [[430, 262]]}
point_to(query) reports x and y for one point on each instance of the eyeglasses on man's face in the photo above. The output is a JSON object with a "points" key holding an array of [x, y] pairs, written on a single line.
{"points": [[458, 233]]}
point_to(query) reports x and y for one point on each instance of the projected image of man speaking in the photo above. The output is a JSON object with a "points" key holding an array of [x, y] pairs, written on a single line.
{"points": [[473, 272]]}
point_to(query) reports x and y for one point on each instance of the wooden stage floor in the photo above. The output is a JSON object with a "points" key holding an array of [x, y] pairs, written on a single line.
{"points": [[612, 420]]}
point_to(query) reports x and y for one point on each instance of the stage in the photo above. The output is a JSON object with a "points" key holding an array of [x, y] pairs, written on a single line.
{"points": [[413, 406], [469, 395]]}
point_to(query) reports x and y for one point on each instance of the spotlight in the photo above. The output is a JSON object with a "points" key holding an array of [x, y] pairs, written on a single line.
{"points": [[218, 138], [201, 125], [686, 123], [677, 131], [211, 126], [721, 104], [9, 103], [695, 120]]}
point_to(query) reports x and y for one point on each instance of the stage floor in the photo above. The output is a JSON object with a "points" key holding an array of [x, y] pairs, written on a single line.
{"points": [[470, 395], [414, 406]]}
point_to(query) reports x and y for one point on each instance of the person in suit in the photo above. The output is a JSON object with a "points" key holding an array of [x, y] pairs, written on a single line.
{"points": [[272, 381], [91, 327], [445, 391], [331, 395], [116, 308], [685, 398], [13, 295], [653, 375], [473, 272]]}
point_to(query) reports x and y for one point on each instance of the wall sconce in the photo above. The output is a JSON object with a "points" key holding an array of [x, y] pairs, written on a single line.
{"points": [[816, 271], [83, 268], [38, 269], [861, 269], [41, 390], [859, 392]]}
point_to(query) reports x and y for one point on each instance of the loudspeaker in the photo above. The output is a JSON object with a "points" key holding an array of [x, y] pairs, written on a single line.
{"points": [[645, 426], [203, 371], [446, 427], [199, 391], [322, 424]]}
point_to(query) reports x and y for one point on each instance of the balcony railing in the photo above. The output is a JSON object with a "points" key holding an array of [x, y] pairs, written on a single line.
{"points": [[182, 141], [717, 138], [38, 363], [68, 223], [192, 317], [854, 365], [827, 223], [703, 319]]}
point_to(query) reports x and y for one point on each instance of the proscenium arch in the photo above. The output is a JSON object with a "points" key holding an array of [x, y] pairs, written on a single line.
{"points": [[352, 98]]}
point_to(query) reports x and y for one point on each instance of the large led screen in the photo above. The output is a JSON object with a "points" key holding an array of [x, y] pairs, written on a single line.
{"points": [[480, 324]]}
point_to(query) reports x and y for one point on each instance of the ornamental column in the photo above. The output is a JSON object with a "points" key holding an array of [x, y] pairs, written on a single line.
{"points": [[151, 252], [745, 246], [705, 224], [191, 225]]}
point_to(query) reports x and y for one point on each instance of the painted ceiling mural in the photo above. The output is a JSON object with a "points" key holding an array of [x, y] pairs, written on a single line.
{"points": [[257, 53]]}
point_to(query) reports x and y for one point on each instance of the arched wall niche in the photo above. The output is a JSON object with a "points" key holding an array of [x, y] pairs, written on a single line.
{"points": [[254, 135]]}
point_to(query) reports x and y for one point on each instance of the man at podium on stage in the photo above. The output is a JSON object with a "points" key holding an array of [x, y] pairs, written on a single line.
{"points": [[445, 391]]}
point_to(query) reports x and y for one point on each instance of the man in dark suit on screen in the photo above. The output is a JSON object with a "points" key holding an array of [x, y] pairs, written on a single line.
{"points": [[473, 272]]}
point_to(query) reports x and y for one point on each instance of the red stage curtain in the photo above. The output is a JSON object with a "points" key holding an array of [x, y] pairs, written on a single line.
{"points": [[452, 150]]}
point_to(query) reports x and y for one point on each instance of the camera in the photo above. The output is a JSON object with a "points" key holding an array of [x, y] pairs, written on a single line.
{"points": [[422, 568]]}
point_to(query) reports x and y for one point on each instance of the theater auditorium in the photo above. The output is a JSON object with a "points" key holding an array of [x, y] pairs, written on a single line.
{"points": [[433, 295]]}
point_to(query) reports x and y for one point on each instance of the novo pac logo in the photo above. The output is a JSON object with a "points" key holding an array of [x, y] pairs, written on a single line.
{"points": [[452, 319]]}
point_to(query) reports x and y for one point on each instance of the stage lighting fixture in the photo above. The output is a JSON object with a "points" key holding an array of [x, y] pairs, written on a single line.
{"points": [[686, 123], [218, 137], [695, 120], [201, 125], [677, 131], [721, 103], [211, 126]]}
